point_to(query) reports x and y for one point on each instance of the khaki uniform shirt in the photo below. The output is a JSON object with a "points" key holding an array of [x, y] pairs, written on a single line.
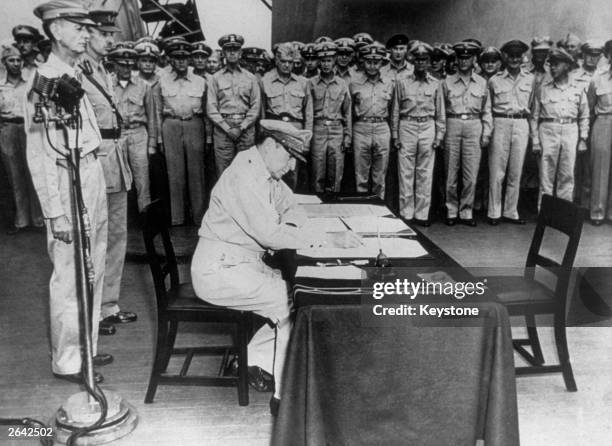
{"points": [[371, 99], [136, 105], [599, 93], [42, 159], [290, 98], [332, 100], [182, 96], [233, 92], [582, 77], [11, 98], [396, 72], [509, 95], [419, 98]]}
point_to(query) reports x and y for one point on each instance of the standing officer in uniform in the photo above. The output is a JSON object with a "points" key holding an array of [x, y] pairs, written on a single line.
{"points": [[26, 37], [600, 102], [345, 50], [372, 96], [417, 129], [438, 61], [183, 95], [511, 95], [214, 62], [560, 126], [136, 106], [490, 61], [286, 97], [468, 130], [64, 22], [311, 61], [332, 122], [200, 52], [13, 142], [113, 156], [148, 54], [361, 40], [233, 104], [398, 66]]}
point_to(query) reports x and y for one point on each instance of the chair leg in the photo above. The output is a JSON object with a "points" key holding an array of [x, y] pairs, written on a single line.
{"points": [[170, 343], [534, 340], [159, 360], [563, 352], [243, 360]]}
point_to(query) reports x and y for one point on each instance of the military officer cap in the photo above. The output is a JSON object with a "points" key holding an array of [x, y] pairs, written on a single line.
{"points": [[466, 48], [440, 50], [421, 49], [287, 50], [178, 48], [9, 50], [293, 140], [345, 45], [104, 19], [309, 50], [570, 39], [322, 39], [375, 51], [123, 53], [252, 54], [594, 47], [148, 39], [489, 54], [26, 31], [146, 49], [397, 39], [561, 55], [71, 10], [362, 39], [43, 44], [201, 48], [476, 42], [541, 43], [325, 49], [231, 41], [514, 48], [608, 47]]}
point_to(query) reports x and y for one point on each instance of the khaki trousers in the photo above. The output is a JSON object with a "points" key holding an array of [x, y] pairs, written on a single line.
{"points": [[136, 141], [559, 146], [601, 155], [327, 158], [371, 142], [226, 149]]}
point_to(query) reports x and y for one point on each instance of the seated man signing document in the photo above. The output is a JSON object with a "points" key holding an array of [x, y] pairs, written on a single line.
{"points": [[251, 211]]}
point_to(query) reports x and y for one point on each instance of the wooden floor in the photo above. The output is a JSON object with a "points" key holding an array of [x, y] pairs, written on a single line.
{"points": [[211, 416]]}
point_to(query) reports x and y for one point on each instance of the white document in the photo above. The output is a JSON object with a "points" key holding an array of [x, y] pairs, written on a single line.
{"points": [[349, 272], [344, 210], [392, 247], [318, 224], [307, 199], [376, 225]]}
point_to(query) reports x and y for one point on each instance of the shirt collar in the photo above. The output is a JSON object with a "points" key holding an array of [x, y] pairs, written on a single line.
{"points": [[403, 66], [258, 167], [276, 77], [318, 79], [227, 68]]}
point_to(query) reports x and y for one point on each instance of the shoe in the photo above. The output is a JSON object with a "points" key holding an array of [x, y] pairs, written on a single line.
{"points": [[102, 359], [260, 380], [232, 367], [121, 317], [274, 406], [468, 222], [515, 221], [13, 230], [424, 223], [77, 378], [451, 221], [597, 222], [493, 221], [106, 329]]}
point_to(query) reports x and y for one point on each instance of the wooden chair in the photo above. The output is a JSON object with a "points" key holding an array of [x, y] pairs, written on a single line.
{"points": [[525, 296], [178, 303]]}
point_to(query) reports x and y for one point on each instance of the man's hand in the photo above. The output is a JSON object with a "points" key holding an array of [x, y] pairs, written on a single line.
{"points": [[234, 133], [582, 146], [160, 147], [61, 229], [536, 147], [346, 239], [346, 145], [395, 144], [484, 141], [436, 145], [152, 150]]}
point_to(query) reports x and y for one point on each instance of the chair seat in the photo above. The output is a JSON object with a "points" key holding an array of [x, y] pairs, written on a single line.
{"points": [[184, 298], [517, 290]]}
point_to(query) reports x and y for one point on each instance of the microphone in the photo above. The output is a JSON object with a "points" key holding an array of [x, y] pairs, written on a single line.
{"points": [[44, 86]]}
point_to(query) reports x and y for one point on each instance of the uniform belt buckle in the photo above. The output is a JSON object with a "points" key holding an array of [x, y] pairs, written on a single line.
{"points": [[285, 118], [463, 116], [327, 123]]}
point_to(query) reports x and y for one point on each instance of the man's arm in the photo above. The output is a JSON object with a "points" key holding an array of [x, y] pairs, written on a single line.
{"points": [[212, 106], [150, 110], [254, 106]]}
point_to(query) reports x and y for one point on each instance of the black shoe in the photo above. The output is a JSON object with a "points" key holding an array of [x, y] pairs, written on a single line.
{"points": [[102, 359], [596, 222], [424, 223], [121, 317], [468, 222], [106, 329], [515, 221], [77, 378], [274, 406], [260, 380], [493, 221], [232, 367], [451, 221]]}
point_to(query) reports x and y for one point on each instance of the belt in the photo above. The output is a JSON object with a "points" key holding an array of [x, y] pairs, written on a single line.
{"points": [[16, 120], [132, 125], [182, 118], [511, 115], [110, 133], [560, 120], [217, 251], [463, 116], [417, 118], [283, 117], [328, 122], [371, 119], [91, 156], [233, 115]]}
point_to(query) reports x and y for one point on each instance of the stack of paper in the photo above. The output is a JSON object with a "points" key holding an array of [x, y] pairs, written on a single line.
{"points": [[344, 210], [378, 225], [306, 199], [318, 224], [392, 247], [348, 272]]}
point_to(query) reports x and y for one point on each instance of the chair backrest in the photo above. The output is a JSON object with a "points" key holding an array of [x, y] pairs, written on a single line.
{"points": [[566, 218], [156, 228]]}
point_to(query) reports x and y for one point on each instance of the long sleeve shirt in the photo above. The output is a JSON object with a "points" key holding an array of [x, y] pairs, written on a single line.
{"points": [[42, 159], [599, 93], [511, 95], [560, 101], [469, 96], [251, 210], [290, 97], [419, 98], [332, 100], [371, 98], [136, 105], [233, 91], [104, 112], [395, 72], [11, 98]]}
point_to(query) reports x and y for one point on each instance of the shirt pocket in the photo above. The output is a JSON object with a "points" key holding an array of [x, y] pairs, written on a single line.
{"points": [[194, 97], [604, 96], [476, 100], [275, 101], [296, 99], [503, 97], [524, 94], [135, 102], [244, 89]]}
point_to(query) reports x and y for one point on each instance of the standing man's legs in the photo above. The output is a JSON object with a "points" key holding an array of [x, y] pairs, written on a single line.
{"points": [[362, 153], [470, 163], [452, 160], [601, 152], [138, 156], [194, 152], [424, 170], [172, 132], [550, 140], [518, 150], [380, 158], [408, 136]]}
